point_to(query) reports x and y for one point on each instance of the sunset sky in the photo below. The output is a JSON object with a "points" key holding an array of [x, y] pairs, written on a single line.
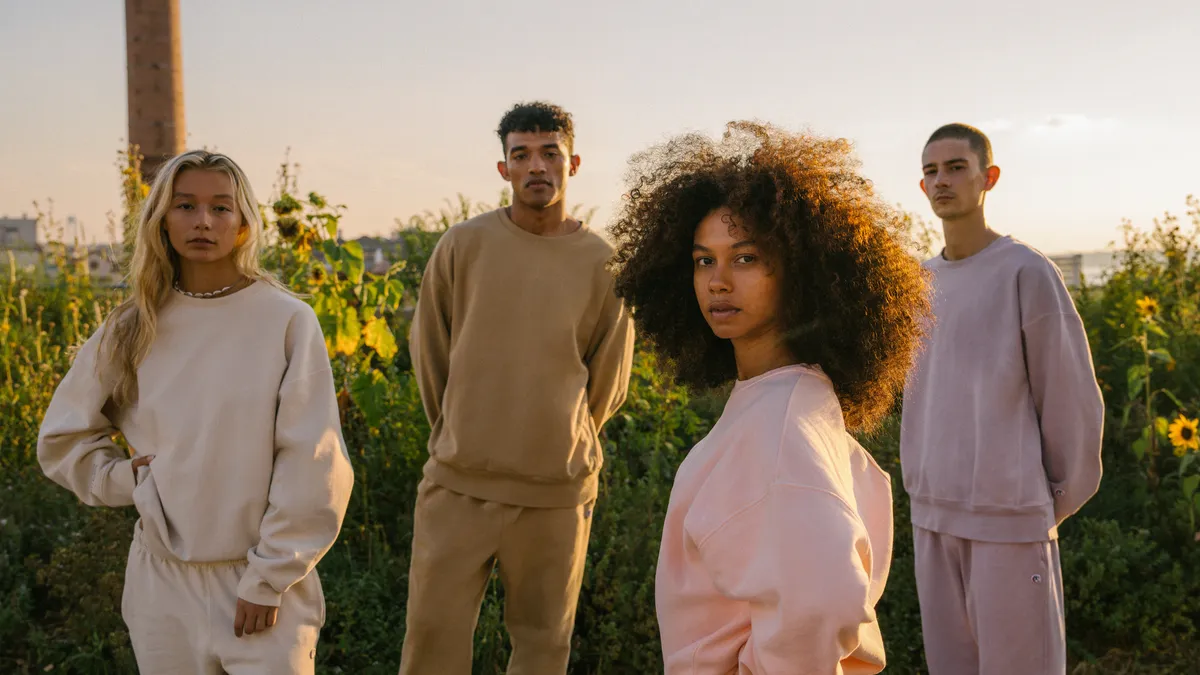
{"points": [[390, 107]]}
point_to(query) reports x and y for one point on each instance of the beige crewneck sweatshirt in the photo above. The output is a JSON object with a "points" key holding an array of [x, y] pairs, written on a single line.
{"points": [[777, 540], [237, 404], [522, 352], [1003, 417]]}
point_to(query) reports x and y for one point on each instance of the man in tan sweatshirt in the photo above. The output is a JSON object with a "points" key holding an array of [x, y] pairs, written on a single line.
{"points": [[1001, 432], [522, 352]]}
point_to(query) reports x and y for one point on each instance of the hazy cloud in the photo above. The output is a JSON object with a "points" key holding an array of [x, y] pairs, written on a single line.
{"points": [[1073, 124]]}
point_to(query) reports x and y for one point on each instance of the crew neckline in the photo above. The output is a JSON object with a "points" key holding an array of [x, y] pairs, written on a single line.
{"points": [[188, 301], [804, 369], [509, 225], [997, 244]]}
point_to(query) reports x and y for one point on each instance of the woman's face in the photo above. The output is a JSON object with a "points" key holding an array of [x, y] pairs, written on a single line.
{"points": [[204, 223], [736, 288]]}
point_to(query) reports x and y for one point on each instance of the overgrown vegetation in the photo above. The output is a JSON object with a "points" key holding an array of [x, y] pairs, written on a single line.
{"points": [[1131, 558]]}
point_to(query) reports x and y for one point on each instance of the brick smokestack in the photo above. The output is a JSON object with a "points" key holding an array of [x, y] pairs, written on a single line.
{"points": [[154, 63]]}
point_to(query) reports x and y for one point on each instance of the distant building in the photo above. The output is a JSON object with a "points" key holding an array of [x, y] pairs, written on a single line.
{"points": [[1071, 266], [18, 238], [18, 232]]}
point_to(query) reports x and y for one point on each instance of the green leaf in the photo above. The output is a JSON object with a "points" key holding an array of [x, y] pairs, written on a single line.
{"points": [[1156, 329], [378, 336], [329, 309], [349, 329], [1140, 446], [333, 252], [352, 253], [395, 293], [1173, 397], [369, 393], [1189, 485], [1137, 376], [1186, 462], [1160, 354]]}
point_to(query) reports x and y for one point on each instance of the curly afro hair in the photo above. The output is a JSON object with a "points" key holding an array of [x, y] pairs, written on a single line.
{"points": [[534, 117], [855, 301]]}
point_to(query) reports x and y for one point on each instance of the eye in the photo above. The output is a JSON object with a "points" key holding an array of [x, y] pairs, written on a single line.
{"points": [[184, 206], [703, 261], [222, 208], [745, 258]]}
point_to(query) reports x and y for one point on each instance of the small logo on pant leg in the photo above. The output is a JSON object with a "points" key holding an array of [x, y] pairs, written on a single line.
{"points": [[1037, 578]]}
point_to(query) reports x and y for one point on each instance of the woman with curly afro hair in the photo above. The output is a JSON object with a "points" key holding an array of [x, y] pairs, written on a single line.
{"points": [[765, 260]]}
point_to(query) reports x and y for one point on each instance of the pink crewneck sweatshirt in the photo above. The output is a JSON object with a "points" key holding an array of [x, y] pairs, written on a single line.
{"points": [[1003, 417], [777, 540]]}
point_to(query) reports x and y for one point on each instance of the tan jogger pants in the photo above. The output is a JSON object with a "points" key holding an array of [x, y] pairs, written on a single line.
{"points": [[988, 608], [456, 541], [180, 619]]}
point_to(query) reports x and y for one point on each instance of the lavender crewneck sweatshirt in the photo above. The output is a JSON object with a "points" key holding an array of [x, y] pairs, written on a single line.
{"points": [[1003, 418]]}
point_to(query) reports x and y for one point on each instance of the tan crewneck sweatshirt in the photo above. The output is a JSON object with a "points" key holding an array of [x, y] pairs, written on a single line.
{"points": [[237, 404], [1003, 417], [522, 352]]}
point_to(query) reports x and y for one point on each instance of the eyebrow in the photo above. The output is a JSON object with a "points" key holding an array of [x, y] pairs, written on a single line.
{"points": [[741, 244], [192, 196], [956, 160], [544, 146]]}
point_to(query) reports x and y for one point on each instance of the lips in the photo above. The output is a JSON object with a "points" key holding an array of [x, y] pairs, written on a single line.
{"points": [[202, 240], [537, 183], [943, 198], [722, 310]]}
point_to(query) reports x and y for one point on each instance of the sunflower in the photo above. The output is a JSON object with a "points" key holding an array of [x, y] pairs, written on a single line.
{"points": [[1147, 307], [1183, 435]]}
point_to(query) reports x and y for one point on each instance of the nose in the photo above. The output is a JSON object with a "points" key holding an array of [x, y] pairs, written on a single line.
{"points": [[942, 179], [719, 279], [204, 219]]}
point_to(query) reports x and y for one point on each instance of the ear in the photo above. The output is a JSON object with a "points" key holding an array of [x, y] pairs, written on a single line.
{"points": [[502, 167], [575, 161], [243, 234], [993, 176], [923, 187]]}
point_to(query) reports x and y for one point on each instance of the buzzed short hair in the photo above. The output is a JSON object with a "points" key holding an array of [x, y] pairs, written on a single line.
{"points": [[974, 137]]}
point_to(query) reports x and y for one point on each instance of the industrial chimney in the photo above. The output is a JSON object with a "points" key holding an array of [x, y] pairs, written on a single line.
{"points": [[154, 62]]}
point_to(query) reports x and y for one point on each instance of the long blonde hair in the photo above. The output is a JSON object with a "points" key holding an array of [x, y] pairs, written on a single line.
{"points": [[130, 330]]}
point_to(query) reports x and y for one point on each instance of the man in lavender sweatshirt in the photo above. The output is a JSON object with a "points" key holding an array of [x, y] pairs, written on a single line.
{"points": [[1001, 432]]}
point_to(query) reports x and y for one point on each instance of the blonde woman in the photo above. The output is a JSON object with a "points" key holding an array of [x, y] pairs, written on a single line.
{"points": [[220, 381]]}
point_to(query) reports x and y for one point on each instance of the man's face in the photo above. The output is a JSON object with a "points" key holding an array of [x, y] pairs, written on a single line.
{"points": [[538, 164], [954, 181]]}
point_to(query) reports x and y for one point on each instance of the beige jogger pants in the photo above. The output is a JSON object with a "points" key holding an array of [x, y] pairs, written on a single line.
{"points": [[456, 541], [180, 619], [988, 608]]}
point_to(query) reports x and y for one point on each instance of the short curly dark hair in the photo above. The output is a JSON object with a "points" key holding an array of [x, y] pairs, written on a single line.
{"points": [[537, 116], [855, 301]]}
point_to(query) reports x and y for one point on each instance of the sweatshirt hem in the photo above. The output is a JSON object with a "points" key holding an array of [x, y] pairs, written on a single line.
{"points": [[513, 490], [1032, 525]]}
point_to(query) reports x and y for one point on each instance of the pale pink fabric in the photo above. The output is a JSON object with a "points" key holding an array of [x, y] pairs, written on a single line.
{"points": [[777, 541], [1003, 417]]}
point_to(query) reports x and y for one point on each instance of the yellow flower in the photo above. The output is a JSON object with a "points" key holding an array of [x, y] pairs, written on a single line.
{"points": [[1147, 307], [1182, 433], [1170, 365]]}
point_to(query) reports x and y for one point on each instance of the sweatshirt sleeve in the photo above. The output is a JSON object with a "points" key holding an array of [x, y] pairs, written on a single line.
{"points": [[610, 360], [1062, 379], [312, 477], [75, 444], [429, 333], [799, 557]]}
